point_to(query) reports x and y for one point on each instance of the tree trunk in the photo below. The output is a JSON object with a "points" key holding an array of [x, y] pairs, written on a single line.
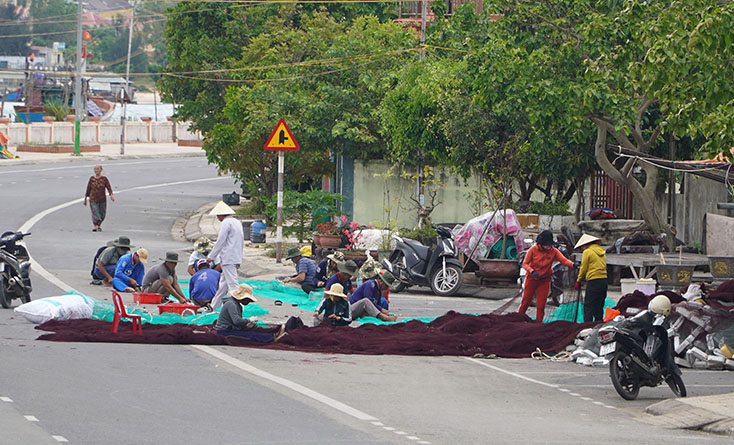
{"points": [[645, 196]]}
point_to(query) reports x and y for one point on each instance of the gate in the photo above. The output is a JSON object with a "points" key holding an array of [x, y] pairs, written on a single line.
{"points": [[605, 192]]}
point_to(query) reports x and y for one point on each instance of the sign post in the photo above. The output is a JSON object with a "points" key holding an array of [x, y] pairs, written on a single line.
{"points": [[281, 140]]}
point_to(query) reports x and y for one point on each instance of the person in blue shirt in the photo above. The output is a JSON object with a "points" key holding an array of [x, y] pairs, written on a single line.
{"points": [[347, 270], [365, 301], [328, 267], [305, 270], [130, 271], [204, 283]]}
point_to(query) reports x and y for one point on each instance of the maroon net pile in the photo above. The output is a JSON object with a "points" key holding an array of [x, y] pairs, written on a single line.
{"points": [[513, 335]]}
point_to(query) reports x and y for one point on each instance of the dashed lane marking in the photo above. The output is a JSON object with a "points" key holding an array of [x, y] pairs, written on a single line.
{"points": [[6, 399], [60, 438], [31, 418]]}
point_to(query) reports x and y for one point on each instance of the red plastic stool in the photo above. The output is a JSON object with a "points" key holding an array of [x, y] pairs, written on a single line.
{"points": [[120, 312]]}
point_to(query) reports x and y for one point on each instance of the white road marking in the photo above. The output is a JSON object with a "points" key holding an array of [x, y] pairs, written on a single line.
{"points": [[378, 424], [60, 438], [26, 227], [424, 442], [597, 403], [400, 433], [586, 398], [6, 399], [388, 428], [575, 394], [514, 374], [610, 407], [31, 418], [412, 437], [339, 406], [564, 390]]}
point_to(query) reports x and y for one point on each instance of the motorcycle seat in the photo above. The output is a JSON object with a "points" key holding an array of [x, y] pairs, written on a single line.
{"points": [[421, 250]]}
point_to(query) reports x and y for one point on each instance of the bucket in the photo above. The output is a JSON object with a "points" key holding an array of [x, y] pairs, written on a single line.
{"points": [[257, 231], [628, 285], [231, 199], [647, 286]]}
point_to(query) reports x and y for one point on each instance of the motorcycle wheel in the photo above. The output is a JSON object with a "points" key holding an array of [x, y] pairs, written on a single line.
{"points": [[397, 260], [624, 380], [5, 299], [397, 286], [446, 284], [676, 384]]}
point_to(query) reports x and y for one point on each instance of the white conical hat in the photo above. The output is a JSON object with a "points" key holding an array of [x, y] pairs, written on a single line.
{"points": [[586, 239], [221, 209]]}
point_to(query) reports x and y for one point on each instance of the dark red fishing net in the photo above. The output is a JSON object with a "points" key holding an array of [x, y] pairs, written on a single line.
{"points": [[512, 335]]}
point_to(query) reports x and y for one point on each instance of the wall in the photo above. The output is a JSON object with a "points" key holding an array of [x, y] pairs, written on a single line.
{"points": [[93, 132]]}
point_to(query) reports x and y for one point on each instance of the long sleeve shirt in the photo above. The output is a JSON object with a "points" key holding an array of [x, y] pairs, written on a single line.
{"points": [[230, 317], [125, 270], [593, 263], [539, 260], [368, 289], [230, 242], [339, 307]]}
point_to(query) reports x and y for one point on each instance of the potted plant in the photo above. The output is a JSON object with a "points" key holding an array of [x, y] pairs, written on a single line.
{"points": [[328, 235]]}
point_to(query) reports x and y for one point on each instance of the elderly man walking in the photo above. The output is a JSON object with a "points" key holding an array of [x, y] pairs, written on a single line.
{"points": [[229, 245]]}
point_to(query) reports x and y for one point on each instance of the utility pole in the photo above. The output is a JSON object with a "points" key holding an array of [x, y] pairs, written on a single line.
{"points": [[78, 81], [420, 189], [127, 82]]}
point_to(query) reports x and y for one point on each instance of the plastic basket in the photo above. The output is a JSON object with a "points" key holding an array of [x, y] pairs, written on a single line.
{"points": [[147, 298], [177, 308]]}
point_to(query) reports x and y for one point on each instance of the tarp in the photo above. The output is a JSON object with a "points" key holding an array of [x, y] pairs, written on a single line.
{"points": [[470, 233]]}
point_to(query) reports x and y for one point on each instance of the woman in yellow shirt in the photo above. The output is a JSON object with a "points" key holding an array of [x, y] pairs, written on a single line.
{"points": [[593, 270]]}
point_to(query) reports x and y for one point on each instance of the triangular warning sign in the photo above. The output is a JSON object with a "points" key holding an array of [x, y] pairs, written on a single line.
{"points": [[282, 138]]}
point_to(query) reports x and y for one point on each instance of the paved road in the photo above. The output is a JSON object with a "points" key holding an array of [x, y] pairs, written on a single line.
{"points": [[110, 393]]}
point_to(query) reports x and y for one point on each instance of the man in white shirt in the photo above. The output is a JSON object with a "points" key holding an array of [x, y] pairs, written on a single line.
{"points": [[229, 246]]}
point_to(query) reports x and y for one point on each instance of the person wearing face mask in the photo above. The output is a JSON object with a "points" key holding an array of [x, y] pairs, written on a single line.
{"points": [[538, 264]]}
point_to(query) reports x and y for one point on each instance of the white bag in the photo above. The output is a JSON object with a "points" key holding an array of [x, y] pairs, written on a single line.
{"points": [[64, 307]]}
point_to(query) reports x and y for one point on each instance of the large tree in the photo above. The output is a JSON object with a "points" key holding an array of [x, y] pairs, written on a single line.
{"points": [[633, 69]]}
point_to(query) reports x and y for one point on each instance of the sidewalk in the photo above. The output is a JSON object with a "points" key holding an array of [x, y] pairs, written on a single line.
{"points": [[139, 150], [712, 414]]}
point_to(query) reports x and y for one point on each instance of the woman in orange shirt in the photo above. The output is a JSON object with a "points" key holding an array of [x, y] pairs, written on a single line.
{"points": [[539, 265]]}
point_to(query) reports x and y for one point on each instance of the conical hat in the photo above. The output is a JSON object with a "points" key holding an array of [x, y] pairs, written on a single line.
{"points": [[586, 239], [221, 209]]}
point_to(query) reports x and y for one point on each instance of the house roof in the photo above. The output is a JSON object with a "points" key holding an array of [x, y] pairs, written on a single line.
{"points": [[108, 5]]}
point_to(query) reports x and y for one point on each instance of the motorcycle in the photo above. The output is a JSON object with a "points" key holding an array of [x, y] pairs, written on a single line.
{"points": [[414, 264], [640, 353], [15, 269]]}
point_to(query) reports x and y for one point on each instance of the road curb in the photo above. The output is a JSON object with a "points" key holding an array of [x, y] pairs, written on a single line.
{"points": [[95, 157], [711, 414]]}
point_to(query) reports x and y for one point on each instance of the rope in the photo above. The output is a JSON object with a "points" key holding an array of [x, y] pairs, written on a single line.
{"points": [[562, 356]]}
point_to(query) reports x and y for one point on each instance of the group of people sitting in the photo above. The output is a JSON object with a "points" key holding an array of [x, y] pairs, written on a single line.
{"points": [[342, 302], [119, 266]]}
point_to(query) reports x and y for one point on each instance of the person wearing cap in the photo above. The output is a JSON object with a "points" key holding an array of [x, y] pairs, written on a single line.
{"points": [[130, 271], [347, 270], [327, 267], [229, 246], [365, 301], [305, 270], [106, 262], [593, 270], [538, 264], [231, 324], [202, 247], [162, 279], [335, 306], [204, 283]]}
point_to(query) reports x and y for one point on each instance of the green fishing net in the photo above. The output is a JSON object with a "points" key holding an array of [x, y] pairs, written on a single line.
{"points": [[567, 311]]}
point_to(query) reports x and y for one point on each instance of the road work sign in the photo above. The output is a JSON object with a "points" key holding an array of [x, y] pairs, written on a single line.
{"points": [[282, 139]]}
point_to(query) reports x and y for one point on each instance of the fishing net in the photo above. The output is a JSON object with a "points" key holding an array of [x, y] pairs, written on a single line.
{"points": [[567, 311]]}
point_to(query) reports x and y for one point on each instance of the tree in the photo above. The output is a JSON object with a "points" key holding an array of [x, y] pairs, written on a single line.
{"points": [[568, 64], [16, 41]]}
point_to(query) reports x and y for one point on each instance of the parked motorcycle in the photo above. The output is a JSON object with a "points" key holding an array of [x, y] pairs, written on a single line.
{"points": [[640, 352], [15, 269], [413, 264]]}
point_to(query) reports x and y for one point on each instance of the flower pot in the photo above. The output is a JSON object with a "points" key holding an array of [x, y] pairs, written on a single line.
{"points": [[317, 239], [721, 267], [498, 269], [674, 274], [330, 241]]}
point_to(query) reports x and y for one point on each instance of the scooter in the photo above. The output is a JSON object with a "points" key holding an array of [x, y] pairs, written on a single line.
{"points": [[640, 353], [15, 269], [414, 264]]}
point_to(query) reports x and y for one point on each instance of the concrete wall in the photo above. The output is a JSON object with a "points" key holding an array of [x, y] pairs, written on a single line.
{"points": [[93, 132]]}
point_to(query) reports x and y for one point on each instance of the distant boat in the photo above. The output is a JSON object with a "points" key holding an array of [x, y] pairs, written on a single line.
{"points": [[15, 96], [37, 113]]}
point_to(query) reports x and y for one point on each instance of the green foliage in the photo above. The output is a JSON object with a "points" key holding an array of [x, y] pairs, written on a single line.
{"points": [[549, 208], [426, 235], [13, 46], [302, 211], [57, 110]]}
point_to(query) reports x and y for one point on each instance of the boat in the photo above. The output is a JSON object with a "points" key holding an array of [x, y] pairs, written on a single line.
{"points": [[13, 96]]}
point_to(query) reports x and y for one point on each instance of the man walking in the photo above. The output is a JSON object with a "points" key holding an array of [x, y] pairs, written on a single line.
{"points": [[229, 245]]}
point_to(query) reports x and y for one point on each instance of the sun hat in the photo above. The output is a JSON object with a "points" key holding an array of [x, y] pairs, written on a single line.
{"points": [[586, 239], [336, 257], [203, 262], [171, 257], [337, 290], [203, 244], [387, 277], [221, 209], [142, 254], [545, 238], [349, 267], [293, 252], [122, 241], [243, 291]]}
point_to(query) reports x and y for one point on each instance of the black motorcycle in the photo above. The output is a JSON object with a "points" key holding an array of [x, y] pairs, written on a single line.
{"points": [[640, 353], [414, 264], [15, 269]]}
